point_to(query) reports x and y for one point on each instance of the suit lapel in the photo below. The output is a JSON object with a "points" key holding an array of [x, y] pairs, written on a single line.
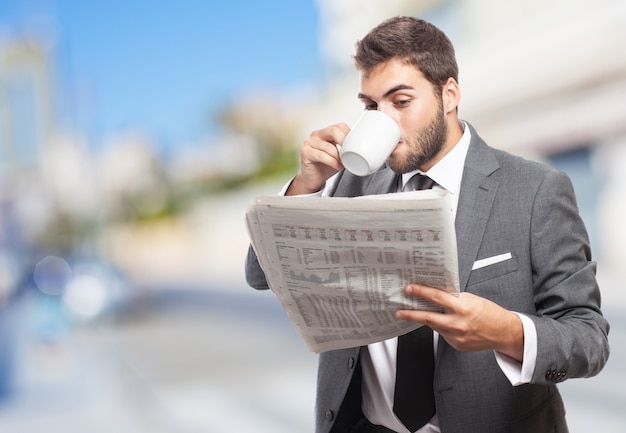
{"points": [[476, 198], [382, 181]]}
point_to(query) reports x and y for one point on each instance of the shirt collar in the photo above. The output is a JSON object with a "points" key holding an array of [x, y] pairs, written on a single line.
{"points": [[448, 172]]}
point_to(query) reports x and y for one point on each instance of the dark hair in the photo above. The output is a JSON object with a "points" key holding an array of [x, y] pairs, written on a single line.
{"points": [[411, 40]]}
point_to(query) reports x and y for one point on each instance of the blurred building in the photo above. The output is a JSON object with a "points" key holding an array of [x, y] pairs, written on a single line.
{"points": [[45, 173], [26, 109]]}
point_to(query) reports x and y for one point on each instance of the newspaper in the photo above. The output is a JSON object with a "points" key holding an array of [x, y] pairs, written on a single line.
{"points": [[339, 265]]}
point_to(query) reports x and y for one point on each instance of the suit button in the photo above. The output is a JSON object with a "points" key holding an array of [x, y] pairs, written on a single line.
{"points": [[351, 363], [556, 376], [330, 415]]}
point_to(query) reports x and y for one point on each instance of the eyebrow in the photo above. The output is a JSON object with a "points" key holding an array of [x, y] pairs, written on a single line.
{"points": [[388, 92]]}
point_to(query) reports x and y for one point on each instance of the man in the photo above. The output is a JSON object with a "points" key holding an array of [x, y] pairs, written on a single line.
{"points": [[529, 311]]}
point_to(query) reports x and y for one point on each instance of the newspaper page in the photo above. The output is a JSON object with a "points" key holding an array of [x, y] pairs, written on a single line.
{"points": [[339, 265]]}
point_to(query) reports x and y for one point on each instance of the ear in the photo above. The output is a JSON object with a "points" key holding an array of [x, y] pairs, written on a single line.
{"points": [[451, 95]]}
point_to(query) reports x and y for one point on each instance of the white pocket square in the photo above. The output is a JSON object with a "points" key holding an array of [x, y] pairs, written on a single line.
{"points": [[491, 261]]}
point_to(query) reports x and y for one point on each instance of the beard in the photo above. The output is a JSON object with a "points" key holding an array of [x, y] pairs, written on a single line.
{"points": [[423, 146]]}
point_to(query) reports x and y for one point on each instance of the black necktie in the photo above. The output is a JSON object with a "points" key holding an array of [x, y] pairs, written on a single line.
{"points": [[414, 400], [419, 181]]}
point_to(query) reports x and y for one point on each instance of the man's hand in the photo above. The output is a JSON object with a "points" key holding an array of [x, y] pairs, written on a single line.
{"points": [[469, 322], [319, 159]]}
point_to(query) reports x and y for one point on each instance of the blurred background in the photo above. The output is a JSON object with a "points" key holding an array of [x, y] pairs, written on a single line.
{"points": [[134, 134]]}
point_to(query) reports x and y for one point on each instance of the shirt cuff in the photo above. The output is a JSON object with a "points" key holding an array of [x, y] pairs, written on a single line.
{"points": [[330, 182], [520, 373]]}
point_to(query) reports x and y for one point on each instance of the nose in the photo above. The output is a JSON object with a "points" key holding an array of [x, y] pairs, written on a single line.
{"points": [[382, 109], [387, 110]]}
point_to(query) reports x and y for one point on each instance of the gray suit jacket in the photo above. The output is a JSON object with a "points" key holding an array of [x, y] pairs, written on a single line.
{"points": [[506, 205]]}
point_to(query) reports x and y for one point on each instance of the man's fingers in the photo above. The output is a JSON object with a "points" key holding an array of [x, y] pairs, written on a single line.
{"points": [[333, 134], [438, 296]]}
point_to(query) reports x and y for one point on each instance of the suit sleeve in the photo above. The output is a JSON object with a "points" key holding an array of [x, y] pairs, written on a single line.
{"points": [[572, 334], [255, 277]]}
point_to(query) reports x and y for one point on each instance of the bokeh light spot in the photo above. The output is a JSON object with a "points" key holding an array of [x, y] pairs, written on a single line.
{"points": [[52, 274], [85, 296]]}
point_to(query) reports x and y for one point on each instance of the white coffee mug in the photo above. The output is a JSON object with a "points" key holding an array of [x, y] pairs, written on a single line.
{"points": [[369, 143]]}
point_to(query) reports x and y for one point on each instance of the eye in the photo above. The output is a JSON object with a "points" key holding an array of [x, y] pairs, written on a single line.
{"points": [[371, 106], [402, 102]]}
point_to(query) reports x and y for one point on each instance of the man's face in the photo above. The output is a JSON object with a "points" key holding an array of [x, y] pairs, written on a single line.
{"points": [[402, 92]]}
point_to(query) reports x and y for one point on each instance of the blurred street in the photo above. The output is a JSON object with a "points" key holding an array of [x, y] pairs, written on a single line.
{"points": [[216, 361], [192, 362]]}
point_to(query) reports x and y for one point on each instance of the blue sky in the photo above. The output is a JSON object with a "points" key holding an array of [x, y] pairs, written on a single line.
{"points": [[168, 67]]}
